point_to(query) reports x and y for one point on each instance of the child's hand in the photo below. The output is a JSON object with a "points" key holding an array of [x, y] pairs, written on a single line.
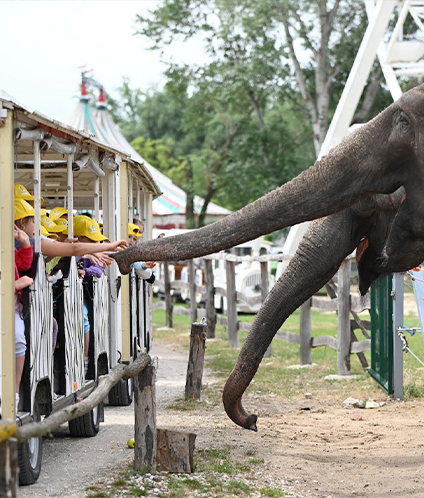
{"points": [[149, 264], [81, 273], [23, 282], [100, 258], [22, 237], [119, 245]]}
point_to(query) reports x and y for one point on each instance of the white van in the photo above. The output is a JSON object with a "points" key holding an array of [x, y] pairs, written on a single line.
{"points": [[248, 273]]}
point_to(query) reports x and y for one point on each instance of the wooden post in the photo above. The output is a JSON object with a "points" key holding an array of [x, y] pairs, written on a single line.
{"points": [[192, 290], [196, 360], [145, 449], [305, 333], [210, 299], [264, 293], [168, 299], [230, 271], [343, 308], [9, 468]]}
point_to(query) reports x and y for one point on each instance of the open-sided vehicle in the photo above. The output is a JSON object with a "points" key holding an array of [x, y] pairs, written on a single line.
{"points": [[65, 167]]}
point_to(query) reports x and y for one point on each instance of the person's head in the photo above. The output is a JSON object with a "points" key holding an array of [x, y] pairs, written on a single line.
{"points": [[44, 231], [51, 226], [58, 212], [133, 233], [64, 234], [22, 193], [139, 224], [87, 230], [24, 216]]}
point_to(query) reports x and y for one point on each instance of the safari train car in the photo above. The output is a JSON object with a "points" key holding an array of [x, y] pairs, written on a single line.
{"points": [[53, 165]]}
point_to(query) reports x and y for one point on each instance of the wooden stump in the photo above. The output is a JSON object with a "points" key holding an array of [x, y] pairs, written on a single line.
{"points": [[145, 449], [175, 451], [9, 468], [195, 361]]}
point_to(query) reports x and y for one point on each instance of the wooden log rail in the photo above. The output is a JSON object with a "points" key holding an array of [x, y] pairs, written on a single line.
{"points": [[338, 300]]}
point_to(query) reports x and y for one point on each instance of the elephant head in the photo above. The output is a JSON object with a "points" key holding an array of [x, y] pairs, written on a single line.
{"points": [[365, 194]]}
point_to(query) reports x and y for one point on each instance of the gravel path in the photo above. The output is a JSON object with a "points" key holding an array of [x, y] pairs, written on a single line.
{"points": [[70, 465]]}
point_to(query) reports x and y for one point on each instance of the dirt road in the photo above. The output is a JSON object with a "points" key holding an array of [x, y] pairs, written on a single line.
{"points": [[70, 465]]}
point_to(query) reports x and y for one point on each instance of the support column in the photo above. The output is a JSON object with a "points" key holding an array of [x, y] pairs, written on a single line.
{"points": [[125, 279], [7, 271]]}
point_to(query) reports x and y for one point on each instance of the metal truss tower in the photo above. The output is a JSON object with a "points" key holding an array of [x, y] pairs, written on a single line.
{"points": [[398, 57]]}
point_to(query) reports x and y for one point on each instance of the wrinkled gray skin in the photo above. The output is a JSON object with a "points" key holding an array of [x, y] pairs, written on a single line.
{"points": [[367, 193]]}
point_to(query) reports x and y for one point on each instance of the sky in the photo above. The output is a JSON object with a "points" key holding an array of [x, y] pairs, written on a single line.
{"points": [[44, 42]]}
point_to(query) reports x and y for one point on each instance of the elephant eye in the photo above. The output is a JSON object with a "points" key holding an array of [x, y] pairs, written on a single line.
{"points": [[403, 122]]}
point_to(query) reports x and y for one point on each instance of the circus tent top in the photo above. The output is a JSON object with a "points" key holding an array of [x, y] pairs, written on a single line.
{"points": [[170, 207]]}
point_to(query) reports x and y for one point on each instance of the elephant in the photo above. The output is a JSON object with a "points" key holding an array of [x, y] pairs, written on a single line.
{"points": [[365, 194]]}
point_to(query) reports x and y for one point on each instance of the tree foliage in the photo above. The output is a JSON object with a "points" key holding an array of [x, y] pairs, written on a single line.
{"points": [[255, 111]]}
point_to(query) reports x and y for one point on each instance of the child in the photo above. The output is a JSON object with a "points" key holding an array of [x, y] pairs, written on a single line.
{"points": [[23, 261], [24, 219], [87, 231], [142, 269]]}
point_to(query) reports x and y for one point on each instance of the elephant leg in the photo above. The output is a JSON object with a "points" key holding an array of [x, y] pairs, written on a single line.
{"points": [[319, 255]]}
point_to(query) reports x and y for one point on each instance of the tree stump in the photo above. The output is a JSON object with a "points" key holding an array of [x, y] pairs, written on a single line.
{"points": [[175, 451], [9, 468], [195, 361], [145, 449]]}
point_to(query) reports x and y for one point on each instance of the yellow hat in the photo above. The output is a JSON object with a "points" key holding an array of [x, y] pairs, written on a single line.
{"points": [[134, 230], [62, 221], [47, 234], [23, 209], [22, 193], [51, 226], [57, 212], [86, 227]]}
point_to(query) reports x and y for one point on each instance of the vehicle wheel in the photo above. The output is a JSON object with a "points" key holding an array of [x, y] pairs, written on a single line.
{"points": [[87, 425], [122, 393], [30, 454]]}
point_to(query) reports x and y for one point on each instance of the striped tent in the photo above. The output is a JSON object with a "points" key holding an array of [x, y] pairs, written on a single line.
{"points": [[169, 208]]}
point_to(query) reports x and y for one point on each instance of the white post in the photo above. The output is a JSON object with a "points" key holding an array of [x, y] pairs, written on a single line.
{"points": [[70, 196], [398, 292], [37, 196]]}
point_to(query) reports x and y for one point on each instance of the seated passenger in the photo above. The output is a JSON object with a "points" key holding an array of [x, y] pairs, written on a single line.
{"points": [[23, 261], [58, 212], [24, 219], [87, 231], [142, 269]]}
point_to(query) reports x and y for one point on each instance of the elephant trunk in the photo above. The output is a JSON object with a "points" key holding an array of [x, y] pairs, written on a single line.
{"points": [[348, 173], [318, 257]]}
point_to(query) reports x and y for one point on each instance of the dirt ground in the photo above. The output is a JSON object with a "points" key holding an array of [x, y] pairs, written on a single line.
{"points": [[309, 447]]}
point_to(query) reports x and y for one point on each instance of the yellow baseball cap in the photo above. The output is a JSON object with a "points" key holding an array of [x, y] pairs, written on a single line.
{"points": [[47, 234], [51, 226], [57, 212], [22, 193], [134, 230], [62, 222], [86, 227], [23, 209]]}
